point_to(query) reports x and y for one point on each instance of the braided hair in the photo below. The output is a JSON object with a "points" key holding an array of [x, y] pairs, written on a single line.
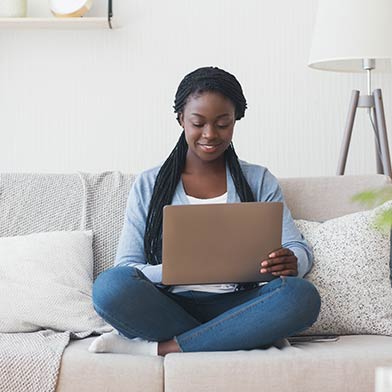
{"points": [[199, 81]]}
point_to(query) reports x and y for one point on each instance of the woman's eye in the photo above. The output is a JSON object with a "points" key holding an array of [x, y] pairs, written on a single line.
{"points": [[223, 126], [197, 125]]}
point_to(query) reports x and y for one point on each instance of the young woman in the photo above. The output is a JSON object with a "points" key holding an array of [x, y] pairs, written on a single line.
{"points": [[151, 318]]}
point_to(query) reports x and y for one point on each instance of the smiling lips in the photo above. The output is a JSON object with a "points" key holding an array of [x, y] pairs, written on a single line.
{"points": [[209, 147]]}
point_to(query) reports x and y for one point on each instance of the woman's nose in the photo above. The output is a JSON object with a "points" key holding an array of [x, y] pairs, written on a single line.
{"points": [[209, 131]]}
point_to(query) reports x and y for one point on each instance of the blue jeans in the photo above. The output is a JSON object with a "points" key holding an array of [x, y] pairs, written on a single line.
{"points": [[201, 321]]}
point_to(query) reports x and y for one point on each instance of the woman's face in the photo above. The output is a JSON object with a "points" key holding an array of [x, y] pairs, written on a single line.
{"points": [[208, 120]]}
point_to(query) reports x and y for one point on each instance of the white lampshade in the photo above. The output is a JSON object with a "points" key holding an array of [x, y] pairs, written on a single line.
{"points": [[348, 31]]}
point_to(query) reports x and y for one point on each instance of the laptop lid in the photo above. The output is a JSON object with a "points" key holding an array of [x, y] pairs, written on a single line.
{"points": [[219, 243]]}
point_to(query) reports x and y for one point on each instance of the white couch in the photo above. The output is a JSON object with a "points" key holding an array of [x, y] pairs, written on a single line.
{"points": [[46, 202]]}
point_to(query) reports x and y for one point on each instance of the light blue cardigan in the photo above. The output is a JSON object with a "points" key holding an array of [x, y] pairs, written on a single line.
{"points": [[264, 185]]}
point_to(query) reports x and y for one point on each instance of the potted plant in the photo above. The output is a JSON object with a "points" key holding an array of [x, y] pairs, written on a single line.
{"points": [[374, 197]]}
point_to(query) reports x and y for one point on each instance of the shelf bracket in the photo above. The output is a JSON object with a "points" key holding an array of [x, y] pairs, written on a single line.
{"points": [[110, 13]]}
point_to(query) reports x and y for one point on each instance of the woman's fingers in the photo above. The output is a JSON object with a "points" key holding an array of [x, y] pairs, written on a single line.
{"points": [[280, 262], [280, 267], [281, 252], [270, 263], [290, 272]]}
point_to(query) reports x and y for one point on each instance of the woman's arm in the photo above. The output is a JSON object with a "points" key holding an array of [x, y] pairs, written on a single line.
{"points": [[130, 249], [291, 236]]}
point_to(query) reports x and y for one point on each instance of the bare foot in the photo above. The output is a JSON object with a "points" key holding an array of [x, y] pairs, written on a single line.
{"points": [[170, 346]]}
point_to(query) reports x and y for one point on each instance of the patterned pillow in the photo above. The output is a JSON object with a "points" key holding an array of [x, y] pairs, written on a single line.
{"points": [[351, 272]]}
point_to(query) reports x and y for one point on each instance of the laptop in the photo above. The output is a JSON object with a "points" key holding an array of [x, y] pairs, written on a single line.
{"points": [[219, 243]]}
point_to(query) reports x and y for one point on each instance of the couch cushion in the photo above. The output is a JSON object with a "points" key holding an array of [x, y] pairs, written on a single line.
{"points": [[37, 202], [83, 371], [346, 365], [322, 198]]}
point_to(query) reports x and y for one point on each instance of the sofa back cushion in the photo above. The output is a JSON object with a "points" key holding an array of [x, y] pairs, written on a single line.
{"points": [[322, 198], [31, 203]]}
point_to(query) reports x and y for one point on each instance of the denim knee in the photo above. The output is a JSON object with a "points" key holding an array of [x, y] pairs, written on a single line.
{"points": [[306, 297], [111, 286]]}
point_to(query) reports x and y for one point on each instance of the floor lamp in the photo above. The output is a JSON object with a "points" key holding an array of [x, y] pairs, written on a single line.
{"points": [[356, 36]]}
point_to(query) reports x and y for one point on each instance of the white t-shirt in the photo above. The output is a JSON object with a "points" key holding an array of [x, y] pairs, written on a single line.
{"points": [[212, 288]]}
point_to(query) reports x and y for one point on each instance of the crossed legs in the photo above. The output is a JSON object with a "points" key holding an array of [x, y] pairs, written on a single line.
{"points": [[199, 321]]}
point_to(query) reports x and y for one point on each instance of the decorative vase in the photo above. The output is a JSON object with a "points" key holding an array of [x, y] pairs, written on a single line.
{"points": [[69, 8], [13, 8]]}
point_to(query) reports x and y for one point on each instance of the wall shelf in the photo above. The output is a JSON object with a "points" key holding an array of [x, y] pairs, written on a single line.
{"points": [[85, 22], [54, 23]]}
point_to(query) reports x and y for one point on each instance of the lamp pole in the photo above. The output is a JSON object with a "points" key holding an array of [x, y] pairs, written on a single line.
{"points": [[375, 108]]}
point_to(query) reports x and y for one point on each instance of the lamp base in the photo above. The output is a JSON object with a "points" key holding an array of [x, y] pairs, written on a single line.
{"points": [[374, 103]]}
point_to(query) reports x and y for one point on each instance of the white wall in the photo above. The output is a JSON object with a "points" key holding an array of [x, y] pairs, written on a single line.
{"points": [[99, 100]]}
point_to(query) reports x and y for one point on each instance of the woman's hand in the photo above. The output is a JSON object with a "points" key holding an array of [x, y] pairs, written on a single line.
{"points": [[281, 262]]}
